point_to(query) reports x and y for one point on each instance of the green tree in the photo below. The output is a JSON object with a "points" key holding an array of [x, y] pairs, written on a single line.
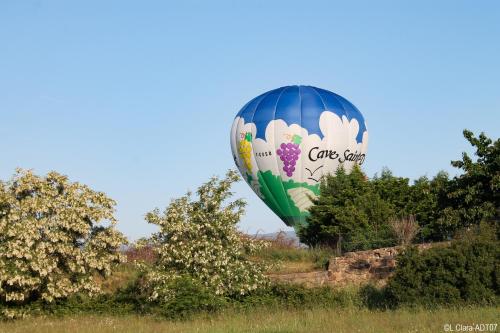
{"points": [[349, 214], [422, 199], [55, 236], [427, 201], [394, 190], [475, 195]]}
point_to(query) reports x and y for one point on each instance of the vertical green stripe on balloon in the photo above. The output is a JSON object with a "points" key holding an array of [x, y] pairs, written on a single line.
{"points": [[269, 198], [272, 189]]}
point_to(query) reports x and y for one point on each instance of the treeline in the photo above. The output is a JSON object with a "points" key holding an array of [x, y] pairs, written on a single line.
{"points": [[357, 213]]}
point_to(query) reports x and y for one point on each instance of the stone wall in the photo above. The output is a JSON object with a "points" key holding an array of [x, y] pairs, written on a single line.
{"points": [[354, 268]]}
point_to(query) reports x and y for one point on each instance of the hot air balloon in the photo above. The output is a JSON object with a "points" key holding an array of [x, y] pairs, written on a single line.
{"points": [[286, 139]]}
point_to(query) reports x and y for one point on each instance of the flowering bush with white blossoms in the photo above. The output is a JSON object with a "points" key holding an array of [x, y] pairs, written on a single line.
{"points": [[198, 238], [55, 236]]}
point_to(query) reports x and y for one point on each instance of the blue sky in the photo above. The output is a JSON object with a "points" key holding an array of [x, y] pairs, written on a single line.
{"points": [[136, 99]]}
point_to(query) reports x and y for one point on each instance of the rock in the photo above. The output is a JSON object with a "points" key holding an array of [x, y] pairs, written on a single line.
{"points": [[360, 264], [350, 254], [373, 266]]}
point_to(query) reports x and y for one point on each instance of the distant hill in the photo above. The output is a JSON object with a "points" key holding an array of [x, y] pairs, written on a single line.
{"points": [[288, 236]]}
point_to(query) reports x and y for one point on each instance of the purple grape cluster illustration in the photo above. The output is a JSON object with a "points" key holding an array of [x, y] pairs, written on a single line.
{"points": [[289, 153]]}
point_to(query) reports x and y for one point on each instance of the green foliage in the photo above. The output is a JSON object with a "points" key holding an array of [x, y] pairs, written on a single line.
{"points": [[374, 297], [429, 197], [467, 199], [103, 304], [465, 272], [349, 214], [190, 297], [394, 190], [425, 199], [354, 210], [284, 295], [82, 304], [475, 195], [193, 298], [442, 205]]}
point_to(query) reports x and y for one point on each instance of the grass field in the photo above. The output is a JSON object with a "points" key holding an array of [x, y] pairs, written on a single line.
{"points": [[339, 310], [311, 321]]}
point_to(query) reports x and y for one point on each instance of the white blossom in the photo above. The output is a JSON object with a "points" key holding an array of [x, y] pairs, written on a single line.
{"points": [[55, 236], [199, 238]]}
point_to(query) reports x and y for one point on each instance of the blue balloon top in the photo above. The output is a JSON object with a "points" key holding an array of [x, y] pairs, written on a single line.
{"points": [[301, 105]]}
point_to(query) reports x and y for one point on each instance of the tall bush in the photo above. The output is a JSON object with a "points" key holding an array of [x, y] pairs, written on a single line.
{"points": [[198, 239], [55, 236]]}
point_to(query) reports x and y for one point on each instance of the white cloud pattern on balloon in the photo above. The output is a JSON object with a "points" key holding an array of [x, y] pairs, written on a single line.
{"points": [[317, 156]]}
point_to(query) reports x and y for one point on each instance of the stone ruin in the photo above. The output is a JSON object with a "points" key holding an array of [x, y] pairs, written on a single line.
{"points": [[353, 268]]}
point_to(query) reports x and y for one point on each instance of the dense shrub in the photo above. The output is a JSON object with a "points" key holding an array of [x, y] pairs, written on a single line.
{"points": [[193, 298], [464, 272], [286, 295], [374, 297], [190, 297], [55, 237]]}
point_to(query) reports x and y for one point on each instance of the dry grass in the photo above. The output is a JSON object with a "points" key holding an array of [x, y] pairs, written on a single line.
{"points": [[288, 256], [123, 275], [287, 267], [405, 229], [313, 321]]}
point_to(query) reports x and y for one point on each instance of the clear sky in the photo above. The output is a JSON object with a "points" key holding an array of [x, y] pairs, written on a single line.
{"points": [[136, 98]]}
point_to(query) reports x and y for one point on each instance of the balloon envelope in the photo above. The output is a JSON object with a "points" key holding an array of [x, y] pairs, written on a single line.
{"points": [[286, 139]]}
